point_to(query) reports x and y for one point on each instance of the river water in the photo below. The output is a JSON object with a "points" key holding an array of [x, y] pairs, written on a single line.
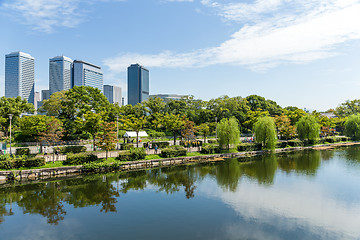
{"points": [[303, 195]]}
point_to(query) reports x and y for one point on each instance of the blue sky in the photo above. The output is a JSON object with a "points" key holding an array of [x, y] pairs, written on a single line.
{"points": [[299, 53]]}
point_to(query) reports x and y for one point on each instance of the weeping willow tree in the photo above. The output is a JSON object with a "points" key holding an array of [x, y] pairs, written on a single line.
{"points": [[352, 127], [228, 132], [265, 132], [308, 128]]}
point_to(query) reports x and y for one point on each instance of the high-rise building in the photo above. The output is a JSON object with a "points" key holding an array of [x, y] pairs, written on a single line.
{"points": [[87, 74], [45, 94], [60, 74], [19, 76], [168, 97], [113, 94], [138, 84]]}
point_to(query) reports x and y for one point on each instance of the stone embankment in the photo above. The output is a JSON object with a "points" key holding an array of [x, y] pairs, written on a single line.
{"points": [[45, 173]]}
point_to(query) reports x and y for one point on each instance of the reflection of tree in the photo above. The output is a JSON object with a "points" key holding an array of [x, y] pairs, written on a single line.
{"points": [[327, 154], [228, 174], [263, 170], [305, 162]]}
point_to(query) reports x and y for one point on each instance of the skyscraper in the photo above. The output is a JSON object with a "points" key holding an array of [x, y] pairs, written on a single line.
{"points": [[138, 84], [45, 94], [19, 76], [60, 74], [87, 74], [113, 94]]}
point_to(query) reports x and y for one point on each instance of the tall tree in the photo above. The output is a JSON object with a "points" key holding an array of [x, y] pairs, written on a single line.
{"points": [[16, 107], [228, 132], [53, 133], [135, 124], [92, 123], [348, 108], [173, 123], [106, 137], [32, 126], [204, 130], [308, 128], [284, 127], [265, 132], [52, 106], [188, 133], [352, 126]]}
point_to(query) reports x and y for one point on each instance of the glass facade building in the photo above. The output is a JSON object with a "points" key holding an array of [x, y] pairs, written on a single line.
{"points": [[20, 76], [60, 74], [113, 94], [138, 84], [45, 94], [86, 74]]}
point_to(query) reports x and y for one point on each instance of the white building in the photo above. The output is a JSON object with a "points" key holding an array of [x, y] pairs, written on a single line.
{"points": [[87, 74], [19, 76]]}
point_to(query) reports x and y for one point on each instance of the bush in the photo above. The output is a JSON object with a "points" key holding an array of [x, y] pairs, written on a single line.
{"points": [[174, 151], [5, 157], [20, 162], [34, 162], [247, 147], [124, 156], [7, 164], [210, 149], [344, 139], [295, 143], [281, 144], [126, 146], [22, 151], [161, 144], [212, 141], [93, 166], [72, 149], [79, 159], [137, 154]]}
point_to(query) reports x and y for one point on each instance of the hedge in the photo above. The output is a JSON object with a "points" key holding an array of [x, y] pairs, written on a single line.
{"points": [[210, 149], [132, 155], [173, 152], [247, 147], [281, 144], [295, 143], [22, 162], [161, 144], [212, 141], [22, 151], [72, 149], [126, 146], [79, 159]]}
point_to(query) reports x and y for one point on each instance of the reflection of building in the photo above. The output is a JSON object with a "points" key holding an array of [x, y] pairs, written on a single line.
{"points": [[87, 74], [138, 84], [168, 97], [19, 76], [60, 74], [45, 94], [113, 94]]}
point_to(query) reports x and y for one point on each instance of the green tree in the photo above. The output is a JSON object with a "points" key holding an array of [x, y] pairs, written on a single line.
{"points": [[15, 106], [294, 114], [188, 133], [32, 126], [52, 106], [348, 108], [91, 123], [308, 128], [173, 123], [135, 124], [284, 127], [204, 130], [352, 126], [53, 133], [265, 132], [228, 132], [106, 137]]}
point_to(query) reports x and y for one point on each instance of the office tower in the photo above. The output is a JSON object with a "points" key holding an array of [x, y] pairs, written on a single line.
{"points": [[138, 84], [36, 100], [122, 101], [86, 74], [19, 76], [60, 74], [113, 94], [45, 94], [168, 97]]}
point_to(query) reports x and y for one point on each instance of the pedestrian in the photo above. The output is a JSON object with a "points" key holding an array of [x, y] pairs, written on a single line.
{"points": [[45, 151], [156, 148]]}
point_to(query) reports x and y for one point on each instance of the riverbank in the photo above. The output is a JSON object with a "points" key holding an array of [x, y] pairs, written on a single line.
{"points": [[67, 171]]}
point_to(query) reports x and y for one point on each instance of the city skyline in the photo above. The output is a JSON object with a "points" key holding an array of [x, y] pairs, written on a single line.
{"points": [[296, 53]]}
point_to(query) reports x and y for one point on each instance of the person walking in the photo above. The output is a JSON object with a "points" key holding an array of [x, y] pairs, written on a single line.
{"points": [[156, 148]]}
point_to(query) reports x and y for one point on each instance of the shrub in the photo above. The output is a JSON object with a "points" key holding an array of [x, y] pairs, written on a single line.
{"points": [[22, 151], [246, 147], [5, 157], [6, 164], [161, 144], [137, 154], [93, 166], [295, 143], [174, 151], [126, 146], [212, 141], [34, 162], [79, 159], [72, 149], [124, 156], [281, 144], [210, 149], [344, 139]]}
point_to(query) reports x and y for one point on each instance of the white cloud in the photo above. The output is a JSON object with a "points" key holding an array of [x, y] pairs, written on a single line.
{"points": [[296, 38]]}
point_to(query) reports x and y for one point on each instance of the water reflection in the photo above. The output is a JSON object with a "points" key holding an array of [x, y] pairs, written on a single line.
{"points": [[262, 200]]}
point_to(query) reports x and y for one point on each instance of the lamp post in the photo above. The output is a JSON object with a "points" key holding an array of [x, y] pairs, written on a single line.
{"points": [[117, 132], [10, 117]]}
